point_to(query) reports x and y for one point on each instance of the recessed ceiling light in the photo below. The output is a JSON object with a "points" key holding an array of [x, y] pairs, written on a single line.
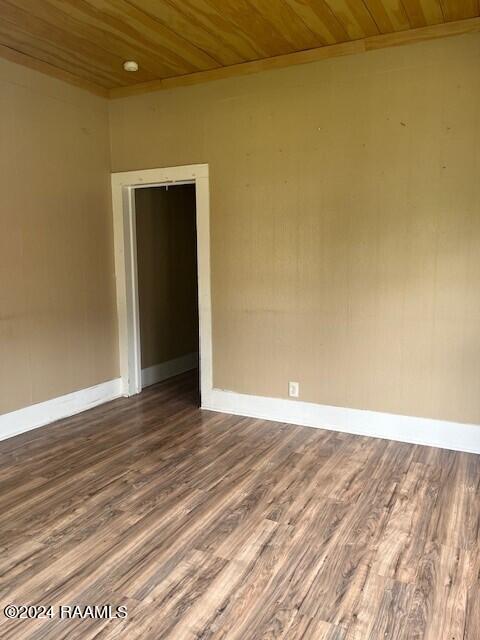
{"points": [[130, 65]]}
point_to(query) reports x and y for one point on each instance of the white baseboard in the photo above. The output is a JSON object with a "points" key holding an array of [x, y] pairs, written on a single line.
{"points": [[168, 369], [425, 431], [434, 433], [37, 415]]}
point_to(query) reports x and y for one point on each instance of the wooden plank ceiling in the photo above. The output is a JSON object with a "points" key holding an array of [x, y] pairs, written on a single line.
{"points": [[183, 41]]}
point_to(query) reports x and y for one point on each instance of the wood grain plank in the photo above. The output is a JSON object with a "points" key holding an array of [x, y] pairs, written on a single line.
{"points": [[423, 12], [381, 611], [314, 629], [74, 53], [249, 19], [459, 9], [321, 20], [355, 18], [402, 545], [389, 15], [183, 42], [439, 599], [381, 41], [289, 24], [192, 28], [79, 24], [120, 17], [472, 614], [215, 22], [221, 527]]}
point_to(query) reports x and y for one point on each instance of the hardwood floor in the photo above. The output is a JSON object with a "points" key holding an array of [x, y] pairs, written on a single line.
{"points": [[212, 526]]}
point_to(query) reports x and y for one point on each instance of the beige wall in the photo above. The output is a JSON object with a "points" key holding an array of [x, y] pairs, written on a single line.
{"points": [[57, 289], [167, 273], [345, 222]]}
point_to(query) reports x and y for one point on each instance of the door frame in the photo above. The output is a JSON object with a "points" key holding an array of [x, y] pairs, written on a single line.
{"points": [[125, 246]]}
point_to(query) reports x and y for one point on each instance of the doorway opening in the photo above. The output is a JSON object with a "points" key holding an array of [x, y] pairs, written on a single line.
{"points": [[166, 239], [183, 341]]}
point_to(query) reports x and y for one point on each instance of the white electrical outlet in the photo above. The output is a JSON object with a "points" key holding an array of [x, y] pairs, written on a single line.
{"points": [[293, 389]]}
